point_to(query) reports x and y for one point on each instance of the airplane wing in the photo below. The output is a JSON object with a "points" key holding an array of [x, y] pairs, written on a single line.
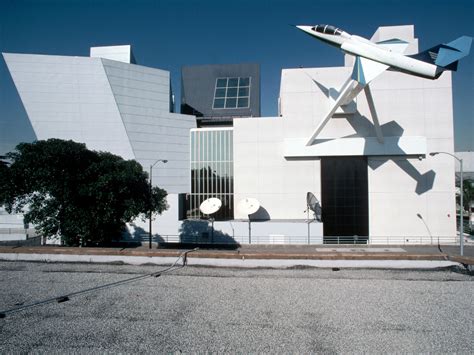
{"points": [[394, 45], [365, 70]]}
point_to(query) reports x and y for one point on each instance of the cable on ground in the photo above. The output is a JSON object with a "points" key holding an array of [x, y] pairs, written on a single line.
{"points": [[64, 298]]}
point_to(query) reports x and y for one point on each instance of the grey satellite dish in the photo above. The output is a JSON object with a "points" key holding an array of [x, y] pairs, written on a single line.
{"points": [[210, 206], [248, 206], [313, 205]]}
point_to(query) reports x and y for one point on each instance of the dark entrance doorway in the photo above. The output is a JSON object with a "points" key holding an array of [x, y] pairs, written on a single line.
{"points": [[344, 194]]}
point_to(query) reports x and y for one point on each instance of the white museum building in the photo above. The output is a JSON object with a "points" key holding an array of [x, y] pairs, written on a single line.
{"points": [[376, 186]]}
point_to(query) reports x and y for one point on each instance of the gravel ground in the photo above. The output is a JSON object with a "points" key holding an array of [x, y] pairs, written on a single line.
{"points": [[231, 310]]}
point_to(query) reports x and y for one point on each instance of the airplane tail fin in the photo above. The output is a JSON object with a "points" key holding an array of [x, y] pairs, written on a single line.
{"points": [[447, 55]]}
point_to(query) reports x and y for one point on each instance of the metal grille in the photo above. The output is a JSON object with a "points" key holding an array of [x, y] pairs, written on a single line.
{"points": [[212, 172]]}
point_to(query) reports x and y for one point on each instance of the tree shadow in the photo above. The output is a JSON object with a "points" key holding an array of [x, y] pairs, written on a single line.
{"points": [[199, 232], [134, 237]]}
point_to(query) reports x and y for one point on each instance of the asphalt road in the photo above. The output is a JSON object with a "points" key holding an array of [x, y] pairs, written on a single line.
{"points": [[229, 310]]}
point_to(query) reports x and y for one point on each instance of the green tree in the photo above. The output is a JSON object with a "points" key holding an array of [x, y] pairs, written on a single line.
{"points": [[468, 187], [64, 189], [468, 194]]}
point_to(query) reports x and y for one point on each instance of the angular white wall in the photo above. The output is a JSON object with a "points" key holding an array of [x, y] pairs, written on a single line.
{"points": [[111, 106], [69, 98]]}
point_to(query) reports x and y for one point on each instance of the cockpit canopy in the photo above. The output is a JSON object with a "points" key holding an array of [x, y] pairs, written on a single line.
{"points": [[327, 29]]}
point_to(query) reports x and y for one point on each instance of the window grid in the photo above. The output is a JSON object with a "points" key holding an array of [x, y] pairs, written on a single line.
{"points": [[232, 93]]}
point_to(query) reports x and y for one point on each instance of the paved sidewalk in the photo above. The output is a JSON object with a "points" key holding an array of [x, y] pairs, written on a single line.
{"points": [[254, 255]]}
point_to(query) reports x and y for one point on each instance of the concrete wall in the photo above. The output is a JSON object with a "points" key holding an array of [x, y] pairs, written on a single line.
{"points": [[262, 172], [117, 53], [468, 165], [12, 226], [11, 221]]}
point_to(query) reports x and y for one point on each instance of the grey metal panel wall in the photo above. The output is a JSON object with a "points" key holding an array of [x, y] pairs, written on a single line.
{"points": [[142, 95], [198, 85]]}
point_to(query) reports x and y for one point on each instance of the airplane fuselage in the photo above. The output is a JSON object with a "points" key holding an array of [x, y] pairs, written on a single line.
{"points": [[359, 46]]}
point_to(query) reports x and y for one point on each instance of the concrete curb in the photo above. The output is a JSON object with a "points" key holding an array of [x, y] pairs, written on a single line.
{"points": [[225, 254], [234, 262]]}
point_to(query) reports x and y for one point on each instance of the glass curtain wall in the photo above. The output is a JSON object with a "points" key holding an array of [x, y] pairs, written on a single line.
{"points": [[212, 171]]}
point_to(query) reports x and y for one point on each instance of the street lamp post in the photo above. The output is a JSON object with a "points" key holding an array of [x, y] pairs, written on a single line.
{"points": [[461, 224], [164, 161]]}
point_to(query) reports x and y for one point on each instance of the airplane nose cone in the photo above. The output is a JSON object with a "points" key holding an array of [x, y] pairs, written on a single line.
{"points": [[307, 29]]}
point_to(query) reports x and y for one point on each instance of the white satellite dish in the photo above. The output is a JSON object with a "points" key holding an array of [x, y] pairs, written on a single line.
{"points": [[210, 206], [248, 206]]}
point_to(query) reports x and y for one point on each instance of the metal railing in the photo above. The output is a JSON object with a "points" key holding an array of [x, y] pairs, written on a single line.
{"points": [[8, 231], [13, 231], [415, 240], [277, 239], [314, 240]]}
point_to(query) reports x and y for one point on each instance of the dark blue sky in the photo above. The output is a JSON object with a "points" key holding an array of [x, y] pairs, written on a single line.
{"points": [[168, 34]]}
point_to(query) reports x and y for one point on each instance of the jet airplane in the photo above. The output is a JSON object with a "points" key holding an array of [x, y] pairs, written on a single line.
{"points": [[372, 59]]}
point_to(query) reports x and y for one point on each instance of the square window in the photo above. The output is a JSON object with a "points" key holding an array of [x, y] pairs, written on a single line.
{"points": [[231, 103], [231, 92], [219, 103], [243, 102], [244, 92], [233, 82], [221, 83], [220, 92], [244, 81]]}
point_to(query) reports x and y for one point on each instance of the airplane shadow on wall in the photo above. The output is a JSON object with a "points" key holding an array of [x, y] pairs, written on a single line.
{"points": [[424, 182], [365, 128]]}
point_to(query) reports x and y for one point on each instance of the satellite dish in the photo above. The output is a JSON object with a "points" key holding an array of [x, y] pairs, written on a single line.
{"points": [[248, 206], [311, 201], [313, 205], [210, 206]]}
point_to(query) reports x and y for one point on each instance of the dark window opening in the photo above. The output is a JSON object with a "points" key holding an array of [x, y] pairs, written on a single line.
{"points": [[345, 206]]}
